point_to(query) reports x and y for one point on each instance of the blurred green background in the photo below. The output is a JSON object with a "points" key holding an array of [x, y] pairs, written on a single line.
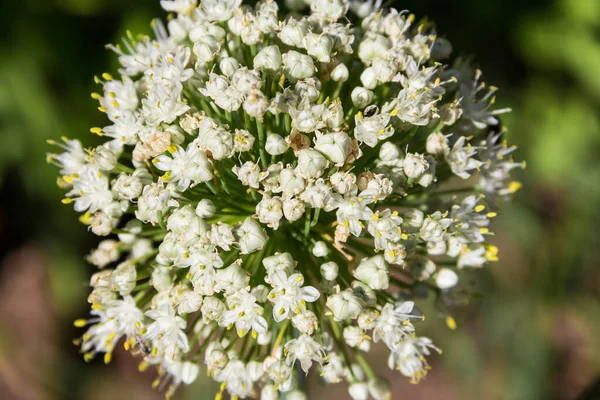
{"points": [[532, 335]]}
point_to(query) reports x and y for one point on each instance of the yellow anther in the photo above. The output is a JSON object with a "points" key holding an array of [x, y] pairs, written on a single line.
{"points": [[107, 76], [514, 186], [66, 200], [115, 104], [241, 332], [404, 236], [96, 96], [491, 214], [394, 112], [85, 218], [254, 334], [479, 208], [375, 217], [143, 366], [172, 148], [80, 323], [154, 351], [102, 109], [107, 358], [143, 331], [483, 231], [451, 323]]}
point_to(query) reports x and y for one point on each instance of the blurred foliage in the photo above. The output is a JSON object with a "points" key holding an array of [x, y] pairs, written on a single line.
{"points": [[533, 334]]}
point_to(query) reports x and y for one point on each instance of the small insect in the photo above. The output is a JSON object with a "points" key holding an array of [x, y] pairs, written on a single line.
{"points": [[142, 346], [371, 110]]}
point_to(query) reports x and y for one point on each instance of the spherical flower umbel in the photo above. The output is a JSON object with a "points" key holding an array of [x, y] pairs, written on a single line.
{"points": [[273, 190]]}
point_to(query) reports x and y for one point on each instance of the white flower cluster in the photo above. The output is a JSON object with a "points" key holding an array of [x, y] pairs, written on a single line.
{"points": [[276, 189]]}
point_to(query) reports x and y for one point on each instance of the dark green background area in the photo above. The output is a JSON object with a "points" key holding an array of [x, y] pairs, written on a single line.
{"points": [[533, 332]]}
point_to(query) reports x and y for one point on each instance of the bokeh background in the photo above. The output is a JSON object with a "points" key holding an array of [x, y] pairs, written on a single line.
{"points": [[533, 334]]}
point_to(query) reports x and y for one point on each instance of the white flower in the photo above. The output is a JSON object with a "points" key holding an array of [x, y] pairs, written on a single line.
{"points": [[461, 159], [123, 278], [244, 313], [219, 10], [297, 65], [127, 187], [304, 349], [279, 262], [434, 227], [415, 165], [250, 236], [178, 6], [222, 235], [269, 211], [190, 166], [293, 209], [306, 322], [311, 163], [437, 143], [243, 141], [168, 330], [249, 174], [288, 296], [344, 305]]}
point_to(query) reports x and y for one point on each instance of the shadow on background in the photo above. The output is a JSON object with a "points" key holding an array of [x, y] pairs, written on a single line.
{"points": [[532, 335]]}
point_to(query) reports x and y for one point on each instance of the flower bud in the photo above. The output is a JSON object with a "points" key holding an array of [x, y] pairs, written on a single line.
{"points": [[161, 279], [189, 372], [389, 152], [297, 65], [359, 391], [319, 46], [344, 305], [228, 66], [275, 144], [311, 163], [446, 278], [334, 146], [205, 208], [340, 73], [368, 78], [361, 97], [329, 271], [293, 32], [251, 236], [380, 389], [268, 59], [320, 249]]}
